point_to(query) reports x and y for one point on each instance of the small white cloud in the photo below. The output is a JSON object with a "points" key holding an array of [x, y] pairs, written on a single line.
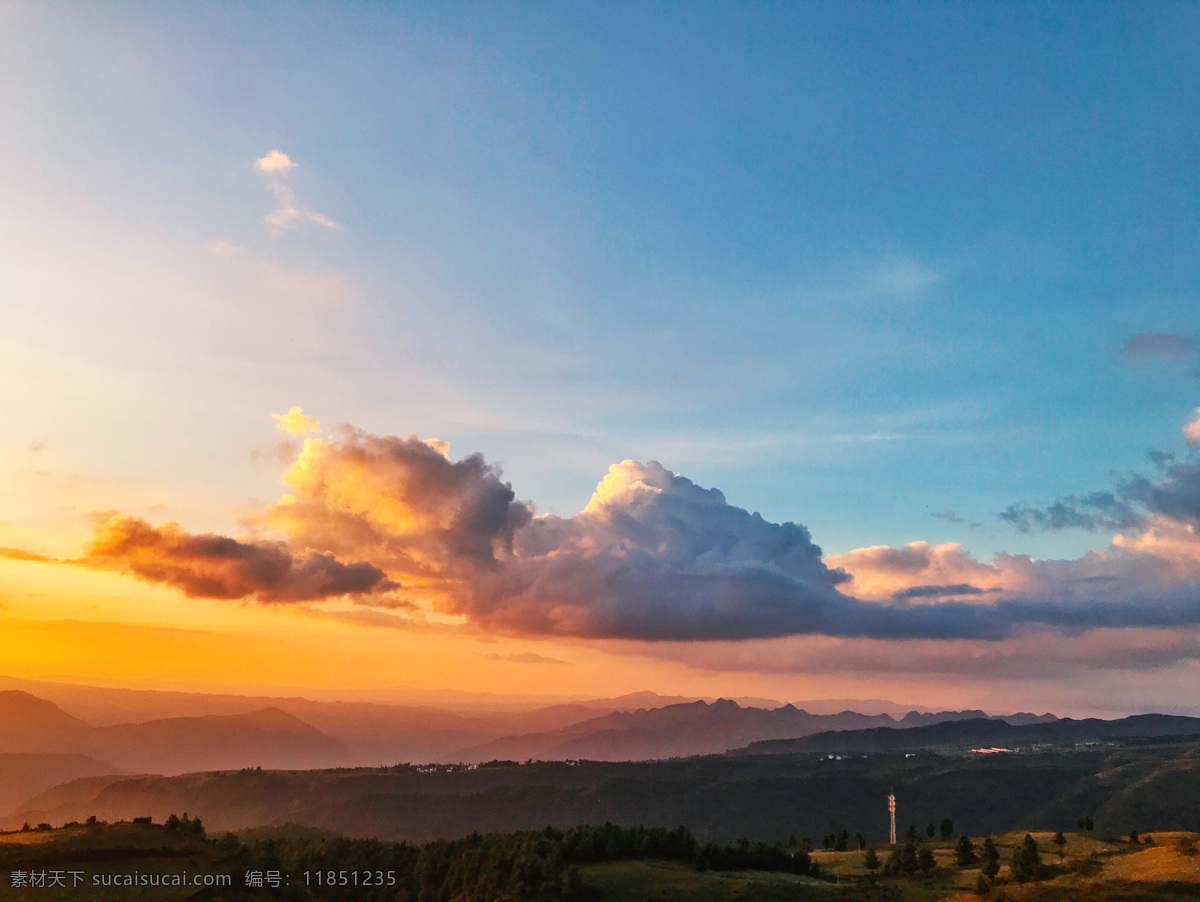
{"points": [[286, 218], [288, 214], [903, 276], [275, 162]]}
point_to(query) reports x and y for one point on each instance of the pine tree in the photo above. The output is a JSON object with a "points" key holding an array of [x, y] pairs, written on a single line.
{"points": [[964, 852], [1061, 842], [926, 862], [1027, 861], [947, 828], [991, 858], [871, 862]]}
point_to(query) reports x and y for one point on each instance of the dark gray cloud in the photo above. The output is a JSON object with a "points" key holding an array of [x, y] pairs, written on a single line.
{"points": [[939, 591], [1175, 493], [1157, 346], [1095, 512]]}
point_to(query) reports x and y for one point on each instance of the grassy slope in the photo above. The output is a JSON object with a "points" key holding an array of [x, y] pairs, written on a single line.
{"points": [[1129, 873], [634, 881], [113, 849]]}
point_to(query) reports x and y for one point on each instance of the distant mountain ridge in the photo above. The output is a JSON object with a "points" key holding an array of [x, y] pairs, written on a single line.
{"points": [[982, 732], [266, 738], [695, 728]]}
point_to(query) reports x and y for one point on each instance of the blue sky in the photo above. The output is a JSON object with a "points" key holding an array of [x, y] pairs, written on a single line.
{"points": [[856, 265]]}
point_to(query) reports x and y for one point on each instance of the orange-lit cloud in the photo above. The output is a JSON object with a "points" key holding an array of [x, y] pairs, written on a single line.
{"points": [[294, 422], [1191, 432], [212, 566], [881, 571], [19, 554]]}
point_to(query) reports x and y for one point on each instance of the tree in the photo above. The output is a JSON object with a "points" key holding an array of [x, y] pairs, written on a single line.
{"points": [[991, 858], [912, 835], [871, 862], [926, 862], [1085, 824], [1027, 861], [947, 828], [982, 885], [1061, 842], [964, 852], [1133, 837], [902, 860]]}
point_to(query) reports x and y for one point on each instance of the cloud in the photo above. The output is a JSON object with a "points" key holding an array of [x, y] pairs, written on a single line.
{"points": [[880, 572], [655, 556], [1191, 432], [1157, 346], [1093, 513], [288, 214], [651, 557], [18, 554], [959, 589], [402, 503], [1132, 503], [527, 657], [294, 422], [212, 566], [1039, 656], [275, 162]]}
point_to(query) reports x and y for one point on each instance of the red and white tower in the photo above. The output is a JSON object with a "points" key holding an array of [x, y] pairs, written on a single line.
{"points": [[892, 812]]}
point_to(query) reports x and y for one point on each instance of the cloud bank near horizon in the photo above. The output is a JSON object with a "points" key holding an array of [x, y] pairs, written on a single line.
{"points": [[397, 523]]}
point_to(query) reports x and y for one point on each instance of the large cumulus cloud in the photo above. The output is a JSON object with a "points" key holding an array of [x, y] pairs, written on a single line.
{"points": [[655, 556], [397, 522]]}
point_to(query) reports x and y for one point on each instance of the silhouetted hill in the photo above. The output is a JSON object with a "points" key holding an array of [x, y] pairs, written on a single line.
{"points": [[719, 797], [982, 732]]}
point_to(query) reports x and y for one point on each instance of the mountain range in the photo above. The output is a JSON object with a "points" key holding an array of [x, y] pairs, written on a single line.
{"points": [[984, 733], [696, 728]]}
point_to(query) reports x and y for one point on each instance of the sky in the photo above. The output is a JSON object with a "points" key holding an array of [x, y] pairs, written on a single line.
{"points": [[798, 351]]}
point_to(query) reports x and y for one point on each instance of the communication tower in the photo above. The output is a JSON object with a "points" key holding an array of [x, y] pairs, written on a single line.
{"points": [[892, 812]]}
